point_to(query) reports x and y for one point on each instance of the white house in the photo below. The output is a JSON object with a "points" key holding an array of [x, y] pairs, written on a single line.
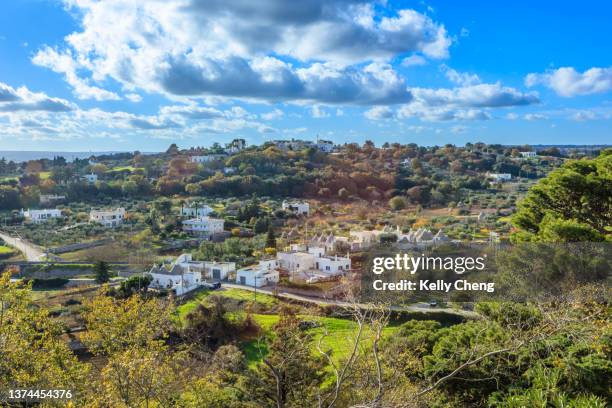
{"points": [[235, 146], [325, 145], [528, 155], [175, 277], [38, 216], [196, 211], [500, 177], [185, 274], [296, 207], [207, 158], [308, 261], [262, 274], [108, 218], [91, 178], [203, 226]]}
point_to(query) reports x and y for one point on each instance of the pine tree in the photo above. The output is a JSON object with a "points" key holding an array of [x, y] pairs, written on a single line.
{"points": [[102, 272], [270, 238]]}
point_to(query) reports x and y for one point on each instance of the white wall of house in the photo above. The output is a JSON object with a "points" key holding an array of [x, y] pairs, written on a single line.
{"points": [[333, 265], [38, 216], [180, 284], [203, 226], [218, 270], [199, 211], [296, 207], [108, 218], [262, 274]]}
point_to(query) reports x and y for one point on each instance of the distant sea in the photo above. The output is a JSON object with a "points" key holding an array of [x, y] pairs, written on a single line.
{"points": [[21, 156]]}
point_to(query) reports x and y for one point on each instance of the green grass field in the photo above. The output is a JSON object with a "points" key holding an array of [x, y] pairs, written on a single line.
{"points": [[336, 335], [122, 168], [266, 301], [6, 250]]}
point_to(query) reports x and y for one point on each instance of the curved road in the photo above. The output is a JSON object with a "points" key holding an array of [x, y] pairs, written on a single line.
{"points": [[417, 307], [31, 251]]}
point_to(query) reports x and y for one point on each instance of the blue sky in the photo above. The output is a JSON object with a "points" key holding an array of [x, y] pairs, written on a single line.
{"points": [[81, 75]]}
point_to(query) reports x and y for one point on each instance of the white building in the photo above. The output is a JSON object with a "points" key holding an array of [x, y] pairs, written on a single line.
{"points": [[264, 273], [196, 211], [207, 158], [175, 277], [500, 177], [296, 207], [325, 146], [91, 178], [108, 218], [203, 226], [218, 270], [185, 274], [38, 216], [235, 146], [308, 262], [528, 155]]}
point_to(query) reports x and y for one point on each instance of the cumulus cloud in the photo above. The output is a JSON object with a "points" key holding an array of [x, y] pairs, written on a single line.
{"points": [[22, 99], [66, 65], [475, 96], [379, 113], [471, 102], [568, 82], [318, 112], [535, 116], [414, 60], [272, 115], [459, 78], [584, 115], [337, 48]]}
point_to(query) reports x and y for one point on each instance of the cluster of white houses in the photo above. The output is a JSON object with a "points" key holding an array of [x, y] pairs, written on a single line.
{"points": [[300, 262], [363, 239]]}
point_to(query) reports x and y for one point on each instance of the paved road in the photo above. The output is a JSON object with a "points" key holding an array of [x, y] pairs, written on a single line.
{"points": [[417, 307], [32, 252]]}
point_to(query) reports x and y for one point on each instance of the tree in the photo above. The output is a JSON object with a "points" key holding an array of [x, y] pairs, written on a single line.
{"points": [[270, 238], [33, 354], [102, 272], [289, 376], [397, 203], [571, 203]]}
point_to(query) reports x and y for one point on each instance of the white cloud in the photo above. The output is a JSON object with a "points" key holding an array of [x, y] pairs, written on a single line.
{"points": [[459, 78], [535, 116], [318, 112], [459, 129], [584, 115], [133, 97], [568, 82], [66, 65], [339, 112], [157, 46], [272, 115], [475, 96], [414, 60], [24, 100], [379, 113], [512, 116], [463, 103]]}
